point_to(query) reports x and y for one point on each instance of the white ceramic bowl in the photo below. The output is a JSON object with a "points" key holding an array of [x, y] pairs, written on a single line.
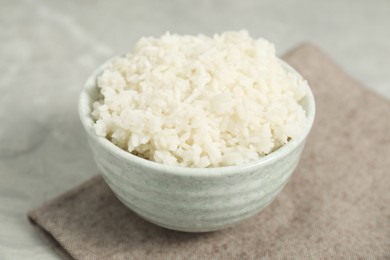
{"points": [[191, 199]]}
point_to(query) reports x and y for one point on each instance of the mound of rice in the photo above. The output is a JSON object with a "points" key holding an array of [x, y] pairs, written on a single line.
{"points": [[198, 101]]}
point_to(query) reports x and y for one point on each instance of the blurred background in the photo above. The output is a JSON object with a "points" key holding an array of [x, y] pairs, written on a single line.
{"points": [[48, 49]]}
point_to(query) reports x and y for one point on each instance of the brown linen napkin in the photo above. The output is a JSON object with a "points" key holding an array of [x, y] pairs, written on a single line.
{"points": [[335, 206]]}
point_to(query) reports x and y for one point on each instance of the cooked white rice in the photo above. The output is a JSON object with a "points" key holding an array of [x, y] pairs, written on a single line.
{"points": [[198, 101]]}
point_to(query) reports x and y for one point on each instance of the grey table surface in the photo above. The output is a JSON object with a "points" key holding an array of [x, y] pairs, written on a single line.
{"points": [[48, 48]]}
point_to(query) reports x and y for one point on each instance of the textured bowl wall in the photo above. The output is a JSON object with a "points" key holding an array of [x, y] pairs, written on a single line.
{"points": [[196, 202], [189, 199]]}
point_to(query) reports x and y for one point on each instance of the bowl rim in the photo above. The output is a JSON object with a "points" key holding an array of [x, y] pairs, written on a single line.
{"points": [[85, 108]]}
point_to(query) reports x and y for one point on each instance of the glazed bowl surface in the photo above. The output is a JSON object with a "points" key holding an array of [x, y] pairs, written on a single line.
{"points": [[192, 199]]}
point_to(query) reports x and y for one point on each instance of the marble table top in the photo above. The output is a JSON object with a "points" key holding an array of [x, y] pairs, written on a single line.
{"points": [[48, 48]]}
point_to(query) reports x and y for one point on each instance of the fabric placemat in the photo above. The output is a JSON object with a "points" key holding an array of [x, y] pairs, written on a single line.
{"points": [[336, 205]]}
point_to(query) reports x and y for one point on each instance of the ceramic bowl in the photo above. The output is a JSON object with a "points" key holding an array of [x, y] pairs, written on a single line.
{"points": [[191, 199]]}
